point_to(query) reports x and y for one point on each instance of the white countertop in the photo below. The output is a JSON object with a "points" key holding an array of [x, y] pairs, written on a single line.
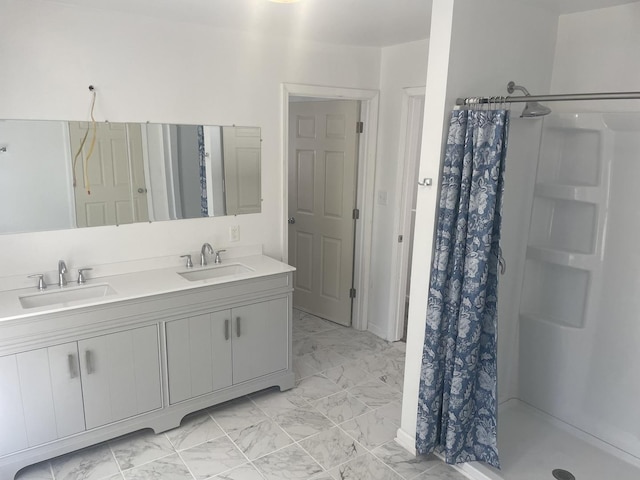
{"points": [[133, 285]]}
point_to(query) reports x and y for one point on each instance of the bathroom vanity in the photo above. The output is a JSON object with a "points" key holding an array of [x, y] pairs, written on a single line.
{"points": [[137, 350]]}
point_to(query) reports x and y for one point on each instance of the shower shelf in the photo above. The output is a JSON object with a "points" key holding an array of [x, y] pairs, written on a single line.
{"points": [[560, 257], [563, 264], [554, 322], [588, 194]]}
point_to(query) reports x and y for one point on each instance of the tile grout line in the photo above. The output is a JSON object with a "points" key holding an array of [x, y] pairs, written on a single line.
{"points": [[122, 471], [187, 465], [115, 459], [397, 472], [295, 442], [53, 477], [249, 461]]}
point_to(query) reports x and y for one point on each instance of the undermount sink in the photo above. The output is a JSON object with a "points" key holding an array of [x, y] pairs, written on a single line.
{"points": [[214, 272], [65, 295]]}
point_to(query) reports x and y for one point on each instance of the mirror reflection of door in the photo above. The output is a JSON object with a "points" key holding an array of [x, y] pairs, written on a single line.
{"points": [[323, 150], [115, 193], [241, 153]]}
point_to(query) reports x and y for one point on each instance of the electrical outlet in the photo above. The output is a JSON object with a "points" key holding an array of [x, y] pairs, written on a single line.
{"points": [[383, 197], [234, 233]]}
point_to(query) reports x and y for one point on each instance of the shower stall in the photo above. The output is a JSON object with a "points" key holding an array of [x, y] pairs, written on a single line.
{"points": [[569, 329]]}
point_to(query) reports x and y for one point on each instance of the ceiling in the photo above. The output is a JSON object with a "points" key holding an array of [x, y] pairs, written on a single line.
{"points": [[345, 22]]}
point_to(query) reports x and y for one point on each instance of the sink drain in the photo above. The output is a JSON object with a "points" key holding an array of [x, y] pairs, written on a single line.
{"points": [[561, 474]]}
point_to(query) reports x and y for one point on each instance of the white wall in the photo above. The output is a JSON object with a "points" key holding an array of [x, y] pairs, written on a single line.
{"points": [[402, 66], [597, 51], [146, 69], [475, 49]]}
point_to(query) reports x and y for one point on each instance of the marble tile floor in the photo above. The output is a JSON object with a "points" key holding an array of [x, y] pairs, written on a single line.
{"points": [[338, 423]]}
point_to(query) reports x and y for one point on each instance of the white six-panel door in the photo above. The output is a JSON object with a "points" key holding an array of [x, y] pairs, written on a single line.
{"points": [[114, 191], [322, 196]]}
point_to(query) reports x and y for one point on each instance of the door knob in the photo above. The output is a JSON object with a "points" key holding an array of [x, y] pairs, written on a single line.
{"points": [[142, 190], [291, 220]]}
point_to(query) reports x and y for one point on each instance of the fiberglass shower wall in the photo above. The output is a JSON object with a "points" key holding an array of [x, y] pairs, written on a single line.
{"points": [[579, 320]]}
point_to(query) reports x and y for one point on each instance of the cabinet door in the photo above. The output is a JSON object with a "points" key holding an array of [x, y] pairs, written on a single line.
{"points": [[40, 398], [66, 389], [13, 434], [260, 339], [120, 375], [198, 355], [51, 392]]}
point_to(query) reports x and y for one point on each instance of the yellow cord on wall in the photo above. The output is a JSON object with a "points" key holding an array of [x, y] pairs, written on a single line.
{"points": [[86, 158]]}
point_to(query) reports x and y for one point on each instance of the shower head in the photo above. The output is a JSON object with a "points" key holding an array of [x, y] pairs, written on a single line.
{"points": [[534, 109], [531, 109]]}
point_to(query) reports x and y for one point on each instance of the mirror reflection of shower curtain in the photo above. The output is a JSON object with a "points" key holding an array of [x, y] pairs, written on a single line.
{"points": [[202, 169], [457, 402], [214, 171]]}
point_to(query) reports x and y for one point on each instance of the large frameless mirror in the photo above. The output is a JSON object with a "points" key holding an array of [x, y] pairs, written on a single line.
{"points": [[58, 174]]}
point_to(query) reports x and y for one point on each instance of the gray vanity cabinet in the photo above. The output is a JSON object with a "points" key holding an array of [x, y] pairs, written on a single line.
{"points": [[120, 375], [40, 397], [213, 351], [260, 339], [198, 355], [82, 376], [54, 392]]}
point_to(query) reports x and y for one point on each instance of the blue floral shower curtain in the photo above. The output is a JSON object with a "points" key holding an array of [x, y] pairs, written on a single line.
{"points": [[204, 204], [457, 397]]}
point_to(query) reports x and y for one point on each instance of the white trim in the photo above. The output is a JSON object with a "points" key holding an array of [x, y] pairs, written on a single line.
{"points": [[410, 135], [468, 470], [406, 441], [380, 331], [366, 176]]}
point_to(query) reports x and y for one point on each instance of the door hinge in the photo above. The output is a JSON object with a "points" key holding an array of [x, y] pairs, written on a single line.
{"points": [[352, 293], [400, 238], [356, 214], [359, 127]]}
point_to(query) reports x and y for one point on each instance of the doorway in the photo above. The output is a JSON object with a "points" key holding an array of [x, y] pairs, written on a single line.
{"points": [[322, 216], [368, 100], [409, 152]]}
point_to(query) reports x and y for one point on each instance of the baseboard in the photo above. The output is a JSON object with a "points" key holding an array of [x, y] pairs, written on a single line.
{"points": [[406, 441], [376, 330]]}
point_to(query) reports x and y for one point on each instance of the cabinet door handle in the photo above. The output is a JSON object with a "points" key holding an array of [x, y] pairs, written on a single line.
{"points": [[238, 326], [88, 358], [71, 359], [226, 329]]}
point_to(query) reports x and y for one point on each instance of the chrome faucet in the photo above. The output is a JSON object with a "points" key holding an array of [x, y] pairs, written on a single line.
{"points": [[62, 269], [203, 258]]}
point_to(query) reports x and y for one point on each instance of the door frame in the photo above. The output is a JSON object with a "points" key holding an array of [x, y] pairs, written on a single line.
{"points": [[369, 103], [410, 136]]}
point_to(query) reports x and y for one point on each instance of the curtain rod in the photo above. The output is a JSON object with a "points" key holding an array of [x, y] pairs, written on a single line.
{"points": [[549, 98]]}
